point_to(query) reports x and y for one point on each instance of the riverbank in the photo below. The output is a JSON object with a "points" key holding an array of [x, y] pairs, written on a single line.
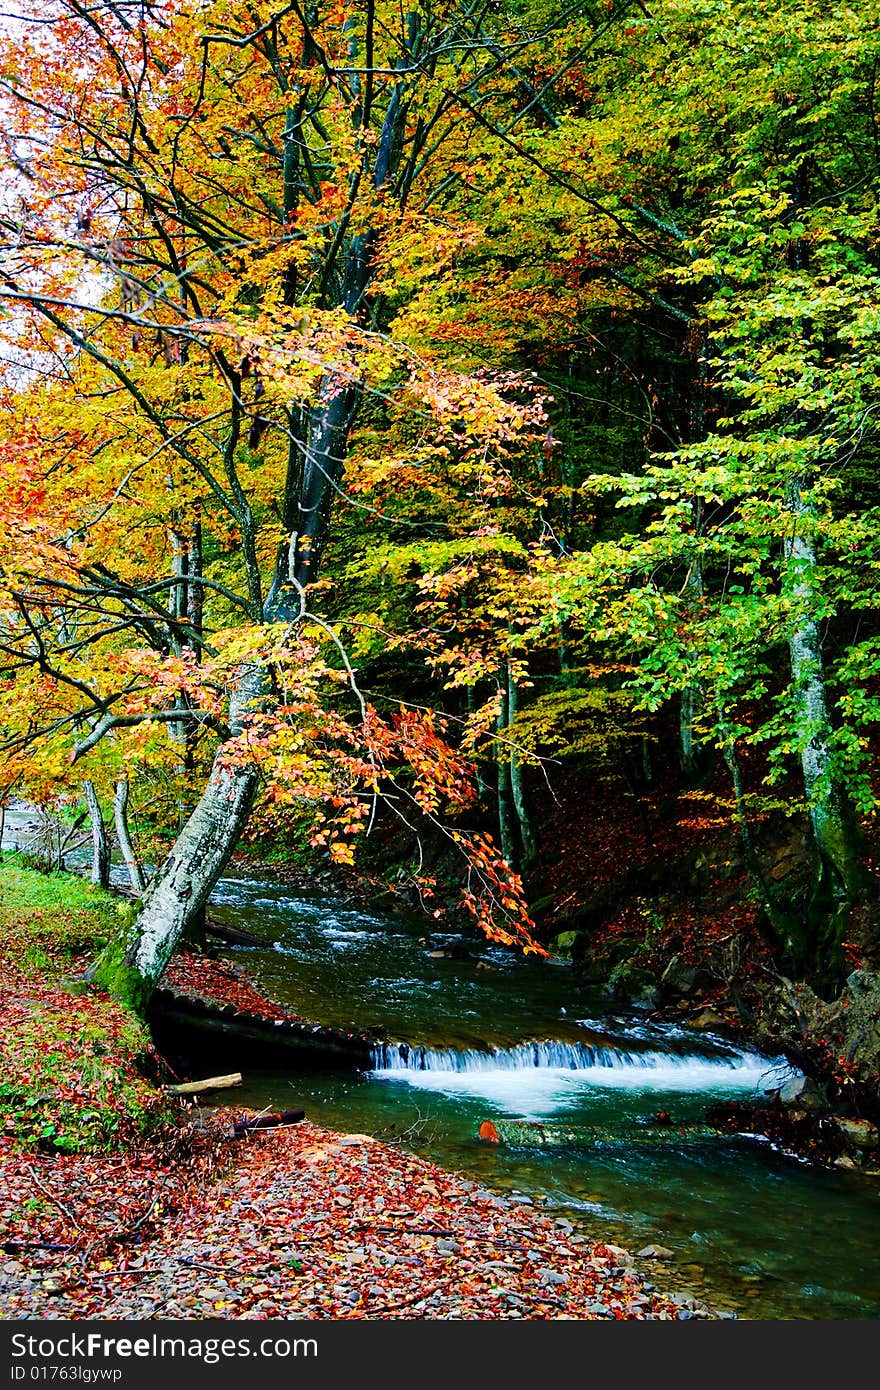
{"points": [[116, 1202], [299, 1222]]}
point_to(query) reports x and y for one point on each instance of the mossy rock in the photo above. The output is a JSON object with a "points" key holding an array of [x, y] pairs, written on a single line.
{"points": [[565, 943], [633, 983]]}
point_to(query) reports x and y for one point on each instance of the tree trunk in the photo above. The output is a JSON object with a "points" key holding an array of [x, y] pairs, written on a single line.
{"points": [[482, 785], [505, 793], [133, 961], [323, 468], [120, 818], [195, 595], [692, 756], [690, 703], [518, 791], [831, 816], [786, 925], [176, 897], [100, 844]]}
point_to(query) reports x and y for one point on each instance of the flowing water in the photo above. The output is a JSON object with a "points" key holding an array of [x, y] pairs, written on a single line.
{"points": [[479, 1034]]}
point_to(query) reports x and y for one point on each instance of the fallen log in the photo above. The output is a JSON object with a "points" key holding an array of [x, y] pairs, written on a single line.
{"points": [[236, 936], [182, 1023], [284, 1117], [211, 1083], [532, 1134]]}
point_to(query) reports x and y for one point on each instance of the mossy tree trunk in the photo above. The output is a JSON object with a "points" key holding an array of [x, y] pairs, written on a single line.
{"points": [[841, 877]]}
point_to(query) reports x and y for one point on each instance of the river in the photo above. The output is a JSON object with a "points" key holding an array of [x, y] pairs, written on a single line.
{"points": [[489, 1036]]}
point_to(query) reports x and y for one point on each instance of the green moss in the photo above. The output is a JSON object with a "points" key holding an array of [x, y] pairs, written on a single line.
{"points": [[114, 974]]}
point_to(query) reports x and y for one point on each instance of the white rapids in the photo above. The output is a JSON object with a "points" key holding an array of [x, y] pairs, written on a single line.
{"points": [[538, 1078]]}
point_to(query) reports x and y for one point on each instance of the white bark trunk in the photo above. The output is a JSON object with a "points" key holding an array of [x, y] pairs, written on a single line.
{"points": [[518, 791], [100, 844], [505, 797], [184, 883], [120, 818]]}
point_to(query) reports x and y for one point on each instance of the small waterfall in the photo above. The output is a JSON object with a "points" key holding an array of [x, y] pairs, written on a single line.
{"points": [[719, 1065], [567, 1056]]}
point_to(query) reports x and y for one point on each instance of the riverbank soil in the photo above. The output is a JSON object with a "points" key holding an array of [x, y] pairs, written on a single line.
{"points": [[117, 1202]]}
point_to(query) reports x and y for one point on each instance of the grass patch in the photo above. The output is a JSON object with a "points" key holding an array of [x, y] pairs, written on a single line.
{"points": [[71, 1060], [52, 920]]}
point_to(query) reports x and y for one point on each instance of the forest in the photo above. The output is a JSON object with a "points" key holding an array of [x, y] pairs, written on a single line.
{"points": [[440, 657]]}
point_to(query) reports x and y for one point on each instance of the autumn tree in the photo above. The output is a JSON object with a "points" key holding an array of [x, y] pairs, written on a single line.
{"points": [[203, 201]]}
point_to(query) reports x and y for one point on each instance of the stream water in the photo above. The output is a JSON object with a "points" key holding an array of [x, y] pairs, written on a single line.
{"points": [[487, 1036]]}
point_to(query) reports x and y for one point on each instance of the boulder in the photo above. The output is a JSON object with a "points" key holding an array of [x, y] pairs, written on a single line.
{"points": [[563, 943], [791, 1017], [633, 983], [707, 1018], [680, 979], [858, 1134], [803, 1093]]}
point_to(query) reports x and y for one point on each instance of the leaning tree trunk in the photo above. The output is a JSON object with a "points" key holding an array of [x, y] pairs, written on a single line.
{"points": [[120, 818], [133, 961], [100, 874]]}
